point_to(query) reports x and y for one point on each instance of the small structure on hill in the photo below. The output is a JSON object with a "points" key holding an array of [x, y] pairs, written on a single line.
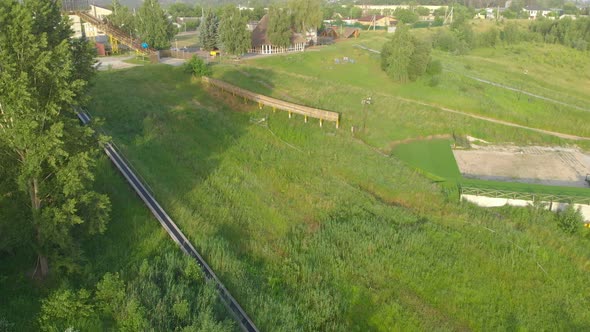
{"points": [[261, 43], [341, 33]]}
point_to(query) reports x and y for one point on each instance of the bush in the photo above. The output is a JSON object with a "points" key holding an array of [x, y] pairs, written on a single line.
{"points": [[434, 81], [569, 219], [434, 67], [197, 67]]}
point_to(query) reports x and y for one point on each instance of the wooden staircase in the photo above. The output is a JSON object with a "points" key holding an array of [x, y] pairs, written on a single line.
{"points": [[116, 33]]}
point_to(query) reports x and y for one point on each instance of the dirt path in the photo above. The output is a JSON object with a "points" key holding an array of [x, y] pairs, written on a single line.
{"points": [[502, 122], [449, 110], [519, 91]]}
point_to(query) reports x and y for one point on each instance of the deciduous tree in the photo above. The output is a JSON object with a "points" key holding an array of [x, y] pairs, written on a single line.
{"points": [[154, 27], [234, 38], [305, 14], [279, 27], [55, 156]]}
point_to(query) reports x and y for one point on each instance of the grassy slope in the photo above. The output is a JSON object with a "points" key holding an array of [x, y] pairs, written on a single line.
{"points": [[312, 230], [313, 78]]}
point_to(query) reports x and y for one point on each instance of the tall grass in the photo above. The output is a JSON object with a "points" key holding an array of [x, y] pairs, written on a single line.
{"points": [[311, 229]]}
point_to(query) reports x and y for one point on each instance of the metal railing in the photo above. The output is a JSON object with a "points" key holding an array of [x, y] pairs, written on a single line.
{"points": [[526, 196]]}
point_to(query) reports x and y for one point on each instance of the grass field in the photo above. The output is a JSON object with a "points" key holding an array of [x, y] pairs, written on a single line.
{"points": [[432, 156], [313, 78], [311, 229]]}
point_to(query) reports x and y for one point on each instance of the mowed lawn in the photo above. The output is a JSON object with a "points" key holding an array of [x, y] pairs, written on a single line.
{"points": [[320, 78], [312, 230], [435, 159], [432, 156]]}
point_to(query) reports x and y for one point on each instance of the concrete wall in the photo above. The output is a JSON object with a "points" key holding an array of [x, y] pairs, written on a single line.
{"points": [[485, 201]]}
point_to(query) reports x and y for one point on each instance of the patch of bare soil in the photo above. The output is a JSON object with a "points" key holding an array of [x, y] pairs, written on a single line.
{"points": [[533, 164]]}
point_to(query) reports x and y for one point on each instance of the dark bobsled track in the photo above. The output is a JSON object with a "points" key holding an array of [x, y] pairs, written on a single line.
{"points": [[242, 318]]}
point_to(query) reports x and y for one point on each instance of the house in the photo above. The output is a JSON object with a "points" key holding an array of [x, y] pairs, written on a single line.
{"points": [[261, 43], [251, 25], [378, 21], [534, 12], [384, 9], [341, 33]]}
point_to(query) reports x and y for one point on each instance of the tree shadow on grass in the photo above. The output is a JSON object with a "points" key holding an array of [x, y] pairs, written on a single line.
{"points": [[175, 134]]}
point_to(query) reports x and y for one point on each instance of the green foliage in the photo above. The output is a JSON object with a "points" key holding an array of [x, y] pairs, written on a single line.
{"points": [[420, 59], [41, 83], [234, 38], [162, 295], [404, 57], [511, 33], [122, 17], [572, 33], [489, 38], [279, 27], [208, 31], [154, 27], [422, 11], [434, 67], [569, 219], [434, 81], [305, 14], [197, 67], [406, 16], [397, 53], [183, 10], [65, 309]]}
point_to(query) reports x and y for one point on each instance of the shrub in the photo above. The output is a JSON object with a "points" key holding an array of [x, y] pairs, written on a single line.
{"points": [[434, 81], [197, 67], [569, 219], [434, 67]]}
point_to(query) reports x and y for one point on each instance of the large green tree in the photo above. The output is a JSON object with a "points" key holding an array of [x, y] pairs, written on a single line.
{"points": [[154, 27], [305, 14], [123, 18], [404, 57], [208, 31], [234, 38], [42, 80], [279, 27], [397, 53]]}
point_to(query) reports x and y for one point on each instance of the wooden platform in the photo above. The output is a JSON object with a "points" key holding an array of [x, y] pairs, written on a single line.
{"points": [[262, 100]]}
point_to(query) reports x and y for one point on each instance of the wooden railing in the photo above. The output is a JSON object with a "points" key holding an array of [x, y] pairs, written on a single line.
{"points": [[262, 100]]}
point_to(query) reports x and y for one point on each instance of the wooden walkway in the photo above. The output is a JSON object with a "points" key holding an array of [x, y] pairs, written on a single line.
{"points": [[262, 100]]}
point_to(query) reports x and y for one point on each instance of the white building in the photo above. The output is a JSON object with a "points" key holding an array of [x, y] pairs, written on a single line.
{"points": [[535, 12]]}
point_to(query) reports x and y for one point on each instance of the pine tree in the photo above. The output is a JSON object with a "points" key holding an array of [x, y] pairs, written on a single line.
{"points": [[234, 38], [154, 27], [208, 31], [55, 155], [279, 27]]}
